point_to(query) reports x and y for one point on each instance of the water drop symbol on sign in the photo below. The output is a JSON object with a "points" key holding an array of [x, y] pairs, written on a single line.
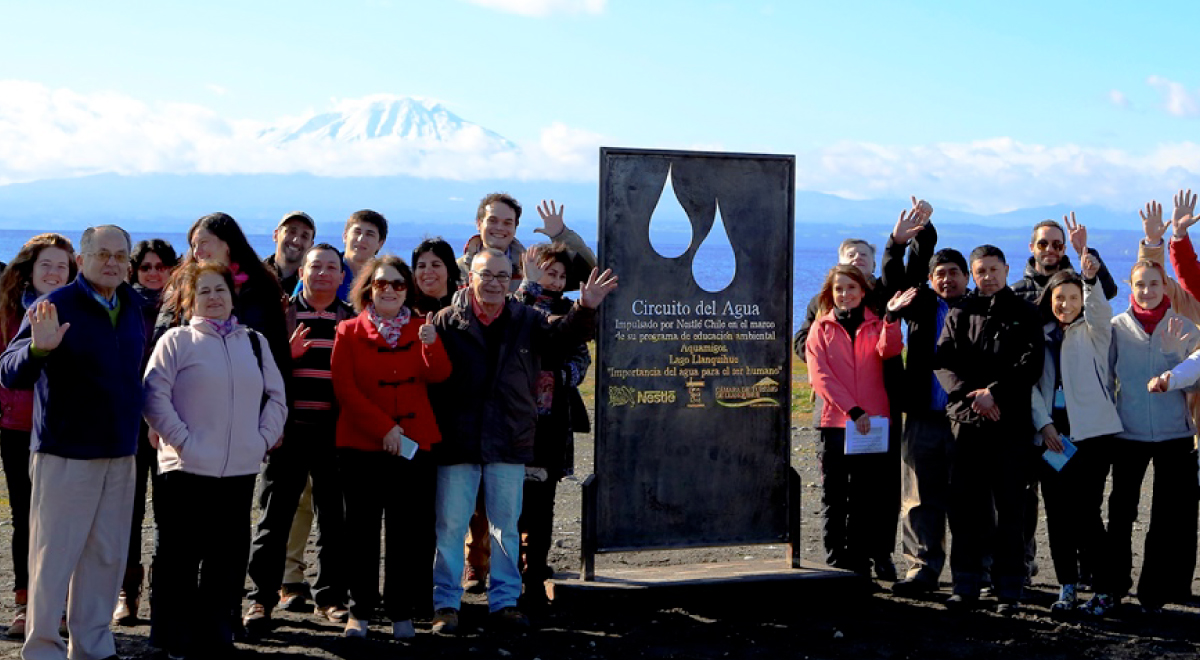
{"points": [[714, 264], [670, 227]]}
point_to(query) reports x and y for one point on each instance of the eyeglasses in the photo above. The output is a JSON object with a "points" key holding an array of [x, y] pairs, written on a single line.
{"points": [[146, 268], [1043, 244], [487, 276], [105, 255], [397, 285]]}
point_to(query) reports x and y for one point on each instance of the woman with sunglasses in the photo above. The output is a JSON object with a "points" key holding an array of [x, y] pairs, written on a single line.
{"points": [[382, 360]]}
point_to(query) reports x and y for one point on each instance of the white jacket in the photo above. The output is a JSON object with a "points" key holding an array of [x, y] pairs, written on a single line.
{"points": [[203, 398], [1091, 408], [1135, 358]]}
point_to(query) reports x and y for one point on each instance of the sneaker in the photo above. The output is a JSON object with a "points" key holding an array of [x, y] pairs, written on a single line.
{"points": [[16, 629], [445, 621], [403, 629], [961, 602], [293, 597], [474, 580], [1099, 605], [1068, 598], [257, 618], [510, 617], [911, 586], [355, 628], [1008, 606], [333, 613], [126, 612]]}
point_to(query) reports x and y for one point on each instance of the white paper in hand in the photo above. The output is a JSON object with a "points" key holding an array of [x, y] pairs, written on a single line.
{"points": [[874, 441]]}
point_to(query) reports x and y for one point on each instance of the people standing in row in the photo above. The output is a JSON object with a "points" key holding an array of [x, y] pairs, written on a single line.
{"points": [[80, 348], [215, 397], [363, 236], [313, 316], [152, 262], [44, 264], [383, 360]]}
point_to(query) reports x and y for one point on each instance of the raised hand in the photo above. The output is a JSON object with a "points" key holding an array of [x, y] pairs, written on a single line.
{"points": [[1185, 212], [427, 333], [531, 263], [923, 207], [299, 343], [909, 225], [1175, 339], [1090, 266], [552, 218], [1077, 234], [43, 324], [901, 300], [1153, 223], [598, 285], [1160, 383]]}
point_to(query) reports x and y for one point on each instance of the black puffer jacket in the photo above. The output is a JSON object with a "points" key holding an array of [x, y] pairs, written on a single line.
{"points": [[1031, 285]]}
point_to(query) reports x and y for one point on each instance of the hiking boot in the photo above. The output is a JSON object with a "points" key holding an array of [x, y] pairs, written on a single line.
{"points": [[510, 617], [333, 613], [355, 628], [474, 580], [257, 618], [445, 621], [126, 612], [1068, 598], [1099, 605], [16, 629], [403, 629], [293, 597]]}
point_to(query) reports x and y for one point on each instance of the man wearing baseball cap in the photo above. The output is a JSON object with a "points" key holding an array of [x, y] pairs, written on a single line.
{"points": [[293, 237]]}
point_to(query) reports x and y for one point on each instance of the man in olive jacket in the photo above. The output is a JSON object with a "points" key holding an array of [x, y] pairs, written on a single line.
{"points": [[487, 416]]}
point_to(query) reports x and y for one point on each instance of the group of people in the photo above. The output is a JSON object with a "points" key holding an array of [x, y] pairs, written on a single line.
{"points": [[1006, 390], [380, 390]]}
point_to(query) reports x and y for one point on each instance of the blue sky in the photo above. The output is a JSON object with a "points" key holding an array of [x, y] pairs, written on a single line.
{"points": [[989, 105]]}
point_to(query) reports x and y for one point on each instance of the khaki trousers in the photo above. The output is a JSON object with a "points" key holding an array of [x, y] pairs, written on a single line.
{"points": [[79, 518]]}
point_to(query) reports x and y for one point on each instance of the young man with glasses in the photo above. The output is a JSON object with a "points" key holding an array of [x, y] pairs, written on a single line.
{"points": [[1048, 255]]}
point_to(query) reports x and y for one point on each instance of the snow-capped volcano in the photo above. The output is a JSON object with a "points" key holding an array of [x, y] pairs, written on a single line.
{"points": [[391, 119]]}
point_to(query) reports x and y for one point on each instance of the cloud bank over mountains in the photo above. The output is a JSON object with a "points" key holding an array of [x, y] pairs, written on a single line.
{"points": [[58, 133]]}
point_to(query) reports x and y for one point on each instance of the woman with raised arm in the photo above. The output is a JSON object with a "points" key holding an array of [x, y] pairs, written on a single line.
{"points": [[45, 263], [215, 398], [1075, 415], [846, 348]]}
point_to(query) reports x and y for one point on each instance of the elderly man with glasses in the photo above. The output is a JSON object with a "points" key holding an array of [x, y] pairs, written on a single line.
{"points": [[487, 415]]}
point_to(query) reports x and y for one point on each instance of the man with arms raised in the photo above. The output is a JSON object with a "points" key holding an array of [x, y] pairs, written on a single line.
{"points": [[497, 219], [80, 349]]}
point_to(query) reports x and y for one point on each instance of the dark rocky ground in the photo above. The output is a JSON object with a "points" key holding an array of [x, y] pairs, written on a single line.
{"points": [[784, 620]]}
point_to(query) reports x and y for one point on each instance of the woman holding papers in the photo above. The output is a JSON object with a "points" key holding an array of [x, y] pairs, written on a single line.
{"points": [[381, 361], [1075, 414], [845, 350], [1148, 339]]}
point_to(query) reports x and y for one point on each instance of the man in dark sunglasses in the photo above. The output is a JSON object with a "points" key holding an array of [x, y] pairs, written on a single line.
{"points": [[1048, 255]]}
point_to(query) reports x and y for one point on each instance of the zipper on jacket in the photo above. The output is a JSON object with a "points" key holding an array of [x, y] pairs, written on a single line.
{"points": [[232, 404]]}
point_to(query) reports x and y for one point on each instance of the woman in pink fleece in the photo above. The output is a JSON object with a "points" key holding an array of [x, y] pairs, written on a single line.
{"points": [[846, 348]]}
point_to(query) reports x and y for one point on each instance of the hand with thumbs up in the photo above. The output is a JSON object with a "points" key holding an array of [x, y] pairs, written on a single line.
{"points": [[427, 333]]}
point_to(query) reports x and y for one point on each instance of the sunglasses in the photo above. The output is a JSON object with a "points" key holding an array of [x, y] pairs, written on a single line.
{"points": [[397, 285], [1043, 244]]}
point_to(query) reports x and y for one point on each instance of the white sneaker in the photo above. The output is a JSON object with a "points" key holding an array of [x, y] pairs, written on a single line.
{"points": [[403, 629], [1067, 599], [355, 627]]}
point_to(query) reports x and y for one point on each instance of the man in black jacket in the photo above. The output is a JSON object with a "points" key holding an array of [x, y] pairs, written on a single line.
{"points": [[988, 358], [1048, 247], [941, 283]]}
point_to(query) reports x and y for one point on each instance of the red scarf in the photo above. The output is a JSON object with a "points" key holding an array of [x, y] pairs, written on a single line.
{"points": [[239, 278], [1149, 318]]}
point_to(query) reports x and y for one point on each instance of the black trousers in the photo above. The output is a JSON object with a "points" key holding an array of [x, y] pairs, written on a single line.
{"points": [[378, 486], [200, 565], [1073, 498], [860, 501], [1170, 553], [146, 468], [307, 449], [537, 529], [987, 489], [14, 454]]}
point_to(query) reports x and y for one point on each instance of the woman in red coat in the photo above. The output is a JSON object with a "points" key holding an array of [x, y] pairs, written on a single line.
{"points": [[382, 360], [846, 348]]}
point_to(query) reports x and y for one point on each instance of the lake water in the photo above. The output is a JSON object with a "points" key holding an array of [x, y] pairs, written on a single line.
{"points": [[808, 269]]}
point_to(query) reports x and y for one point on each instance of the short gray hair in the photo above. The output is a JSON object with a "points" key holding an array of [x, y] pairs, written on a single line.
{"points": [[488, 253], [89, 234]]}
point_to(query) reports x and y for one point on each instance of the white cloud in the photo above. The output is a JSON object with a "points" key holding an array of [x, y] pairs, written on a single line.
{"points": [[216, 89], [1176, 99], [1118, 98], [543, 8]]}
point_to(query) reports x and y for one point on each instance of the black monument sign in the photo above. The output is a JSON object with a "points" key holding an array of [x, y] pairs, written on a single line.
{"points": [[693, 385]]}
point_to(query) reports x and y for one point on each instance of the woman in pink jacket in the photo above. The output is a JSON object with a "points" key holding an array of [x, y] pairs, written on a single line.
{"points": [[845, 350]]}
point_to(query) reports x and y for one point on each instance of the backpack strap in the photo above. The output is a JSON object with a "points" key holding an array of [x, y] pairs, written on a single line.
{"points": [[257, 348]]}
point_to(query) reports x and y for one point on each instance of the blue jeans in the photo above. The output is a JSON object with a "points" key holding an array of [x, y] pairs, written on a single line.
{"points": [[457, 486]]}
